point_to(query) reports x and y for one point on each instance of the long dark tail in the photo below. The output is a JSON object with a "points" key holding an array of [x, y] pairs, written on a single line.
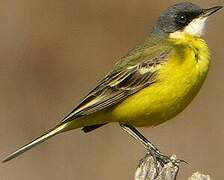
{"points": [[42, 138]]}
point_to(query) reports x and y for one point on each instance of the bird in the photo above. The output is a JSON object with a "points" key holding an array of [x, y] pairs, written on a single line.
{"points": [[148, 86]]}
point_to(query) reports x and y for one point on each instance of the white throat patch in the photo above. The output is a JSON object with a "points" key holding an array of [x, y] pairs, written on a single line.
{"points": [[195, 28]]}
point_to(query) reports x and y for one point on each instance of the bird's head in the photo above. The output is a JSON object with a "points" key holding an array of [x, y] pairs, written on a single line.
{"points": [[183, 18]]}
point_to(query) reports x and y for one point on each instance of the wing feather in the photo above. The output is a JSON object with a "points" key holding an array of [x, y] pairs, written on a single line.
{"points": [[118, 85]]}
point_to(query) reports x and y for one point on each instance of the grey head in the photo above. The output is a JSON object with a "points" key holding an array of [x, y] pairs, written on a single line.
{"points": [[179, 16]]}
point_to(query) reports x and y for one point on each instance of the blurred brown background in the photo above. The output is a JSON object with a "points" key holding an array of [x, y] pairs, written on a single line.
{"points": [[52, 52]]}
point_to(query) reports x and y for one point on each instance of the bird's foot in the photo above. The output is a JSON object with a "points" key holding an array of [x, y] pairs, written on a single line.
{"points": [[161, 159]]}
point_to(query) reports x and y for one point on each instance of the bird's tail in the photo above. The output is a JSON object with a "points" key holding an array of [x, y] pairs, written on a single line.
{"points": [[40, 139]]}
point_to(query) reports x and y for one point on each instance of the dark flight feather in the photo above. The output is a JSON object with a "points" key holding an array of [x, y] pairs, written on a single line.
{"points": [[118, 85], [88, 129]]}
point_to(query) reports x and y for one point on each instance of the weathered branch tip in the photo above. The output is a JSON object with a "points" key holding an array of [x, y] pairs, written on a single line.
{"points": [[148, 169]]}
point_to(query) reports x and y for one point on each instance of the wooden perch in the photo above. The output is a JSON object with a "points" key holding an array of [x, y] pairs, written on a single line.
{"points": [[148, 169]]}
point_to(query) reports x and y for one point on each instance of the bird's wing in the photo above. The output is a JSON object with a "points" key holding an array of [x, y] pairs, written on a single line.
{"points": [[119, 84]]}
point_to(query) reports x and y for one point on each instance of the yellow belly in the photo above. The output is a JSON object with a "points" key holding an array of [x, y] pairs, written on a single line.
{"points": [[178, 82]]}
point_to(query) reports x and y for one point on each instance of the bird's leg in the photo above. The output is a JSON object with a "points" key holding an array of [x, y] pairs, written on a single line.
{"points": [[139, 137], [157, 155]]}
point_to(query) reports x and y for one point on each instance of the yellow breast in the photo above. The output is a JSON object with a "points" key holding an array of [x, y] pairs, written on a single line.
{"points": [[179, 80]]}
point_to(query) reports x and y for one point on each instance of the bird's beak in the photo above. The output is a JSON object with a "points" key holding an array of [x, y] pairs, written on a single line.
{"points": [[210, 11]]}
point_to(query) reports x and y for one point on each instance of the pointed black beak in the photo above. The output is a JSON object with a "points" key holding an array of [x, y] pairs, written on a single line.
{"points": [[210, 11]]}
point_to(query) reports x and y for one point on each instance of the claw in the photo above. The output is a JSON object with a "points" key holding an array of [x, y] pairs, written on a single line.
{"points": [[183, 161], [164, 159]]}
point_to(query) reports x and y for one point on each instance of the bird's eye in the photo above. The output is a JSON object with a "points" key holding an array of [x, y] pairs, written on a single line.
{"points": [[182, 19]]}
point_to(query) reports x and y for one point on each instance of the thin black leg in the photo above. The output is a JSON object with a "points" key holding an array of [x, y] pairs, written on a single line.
{"points": [[139, 137], [162, 159]]}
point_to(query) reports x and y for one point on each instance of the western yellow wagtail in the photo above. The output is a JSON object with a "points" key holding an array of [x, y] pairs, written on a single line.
{"points": [[151, 84]]}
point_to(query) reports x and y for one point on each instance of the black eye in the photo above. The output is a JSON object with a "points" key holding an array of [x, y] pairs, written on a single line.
{"points": [[182, 19]]}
